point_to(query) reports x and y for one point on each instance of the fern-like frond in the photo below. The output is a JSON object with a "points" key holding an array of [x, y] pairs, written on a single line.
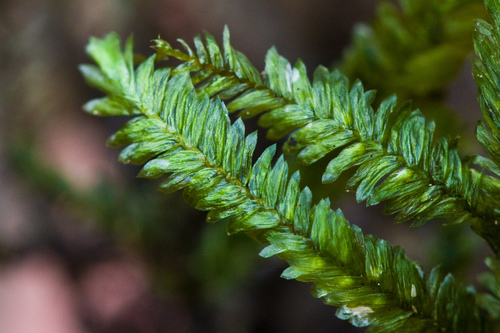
{"points": [[487, 75], [188, 136], [397, 158], [414, 49]]}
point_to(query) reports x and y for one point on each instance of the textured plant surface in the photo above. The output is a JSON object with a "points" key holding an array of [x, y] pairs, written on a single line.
{"points": [[180, 130]]}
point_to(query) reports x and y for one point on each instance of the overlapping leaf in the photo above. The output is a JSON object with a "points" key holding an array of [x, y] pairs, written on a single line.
{"points": [[188, 137]]}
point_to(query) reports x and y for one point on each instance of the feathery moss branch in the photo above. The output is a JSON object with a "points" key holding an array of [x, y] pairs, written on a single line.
{"points": [[487, 75], [188, 135], [397, 158]]}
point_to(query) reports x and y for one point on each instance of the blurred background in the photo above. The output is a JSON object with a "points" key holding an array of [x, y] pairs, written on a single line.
{"points": [[86, 247]]}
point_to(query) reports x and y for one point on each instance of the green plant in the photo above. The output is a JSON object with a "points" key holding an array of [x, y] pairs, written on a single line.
{"points": [[181, 128]]}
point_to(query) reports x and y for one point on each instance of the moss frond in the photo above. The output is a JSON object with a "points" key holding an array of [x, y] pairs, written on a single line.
{"points": [[186, 136]]}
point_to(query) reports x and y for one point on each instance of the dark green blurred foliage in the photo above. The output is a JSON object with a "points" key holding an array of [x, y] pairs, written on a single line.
{"points": [[414, 50]]}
